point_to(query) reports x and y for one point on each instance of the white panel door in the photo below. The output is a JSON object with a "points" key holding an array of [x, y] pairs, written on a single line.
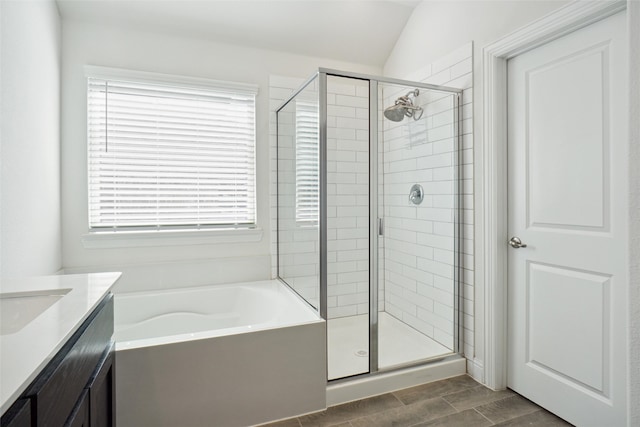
{"points": [[568, 204]]}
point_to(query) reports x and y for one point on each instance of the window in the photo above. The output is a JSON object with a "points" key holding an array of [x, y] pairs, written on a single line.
{"points": [[169, 153], [307, 172]]}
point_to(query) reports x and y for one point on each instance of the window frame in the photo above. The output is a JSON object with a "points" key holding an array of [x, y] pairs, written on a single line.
{"points": [[170, 235]]}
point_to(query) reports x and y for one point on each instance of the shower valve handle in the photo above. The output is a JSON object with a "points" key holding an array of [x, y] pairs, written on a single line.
{"points": [[416, 194]]}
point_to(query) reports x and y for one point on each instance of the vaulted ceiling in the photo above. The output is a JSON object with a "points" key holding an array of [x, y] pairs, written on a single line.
{"points": [[361, 31]]}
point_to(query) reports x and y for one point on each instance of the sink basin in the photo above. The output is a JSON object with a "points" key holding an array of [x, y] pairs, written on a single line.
{"points": [[18, 309]]}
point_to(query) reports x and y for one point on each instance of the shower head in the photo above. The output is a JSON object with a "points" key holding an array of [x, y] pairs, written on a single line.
{"points": [[395, 113], [404, 107]]}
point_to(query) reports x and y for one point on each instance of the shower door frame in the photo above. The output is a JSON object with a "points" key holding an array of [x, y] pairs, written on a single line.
{"points": [[374, 82]]}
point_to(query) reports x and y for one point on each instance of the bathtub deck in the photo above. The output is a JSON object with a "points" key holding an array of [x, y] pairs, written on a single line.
{"points": [[399, 344]]}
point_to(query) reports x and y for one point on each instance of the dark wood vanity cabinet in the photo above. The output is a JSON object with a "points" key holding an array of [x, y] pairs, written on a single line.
{"points": [[77, 387]]}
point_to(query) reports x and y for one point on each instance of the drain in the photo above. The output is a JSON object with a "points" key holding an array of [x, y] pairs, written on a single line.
{"points": [[362, 353]]}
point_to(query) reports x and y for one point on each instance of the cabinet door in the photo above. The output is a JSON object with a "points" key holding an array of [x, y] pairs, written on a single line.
{"points": [[80, 416], [102, 394], [18, 415]]}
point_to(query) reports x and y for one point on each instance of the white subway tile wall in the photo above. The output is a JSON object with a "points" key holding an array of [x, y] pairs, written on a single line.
{"points": [[347, 197]]}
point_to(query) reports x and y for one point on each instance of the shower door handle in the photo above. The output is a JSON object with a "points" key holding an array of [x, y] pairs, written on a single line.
{"points": [[516, 243]]}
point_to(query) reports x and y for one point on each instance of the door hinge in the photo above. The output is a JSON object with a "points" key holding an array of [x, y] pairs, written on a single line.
{"points": [[380, 227]]}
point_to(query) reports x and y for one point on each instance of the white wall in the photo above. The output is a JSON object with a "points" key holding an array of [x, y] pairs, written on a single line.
{"points": [[30, 135], [435, 30], [633, 10], [438, 27], [115, 47]]}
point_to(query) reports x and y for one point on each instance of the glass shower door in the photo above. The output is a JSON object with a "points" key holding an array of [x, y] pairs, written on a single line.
{"points": [[417, 203]]}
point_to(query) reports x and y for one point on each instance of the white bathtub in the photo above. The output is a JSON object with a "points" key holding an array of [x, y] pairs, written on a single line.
{"points": [[223, 355]]}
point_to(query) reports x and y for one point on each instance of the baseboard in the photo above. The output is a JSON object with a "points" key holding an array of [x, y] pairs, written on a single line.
{"points": [[374, 385]]}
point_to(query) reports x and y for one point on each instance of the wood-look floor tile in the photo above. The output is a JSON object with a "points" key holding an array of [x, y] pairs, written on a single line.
{"points": [[469, 417], [536, 419], [476, 396], [435, 389], [352, 410], [389, 418], [506, 409], [418, 406], [407, 415]]}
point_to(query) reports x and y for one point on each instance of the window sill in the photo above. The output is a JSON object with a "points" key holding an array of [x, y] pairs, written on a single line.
{"points": [[121, 239]]}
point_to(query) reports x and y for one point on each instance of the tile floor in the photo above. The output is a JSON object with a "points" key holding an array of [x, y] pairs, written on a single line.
{"points": [[454, 402]]}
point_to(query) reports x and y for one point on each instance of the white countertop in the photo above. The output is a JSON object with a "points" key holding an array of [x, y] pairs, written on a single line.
{"points": [[24, 353]]}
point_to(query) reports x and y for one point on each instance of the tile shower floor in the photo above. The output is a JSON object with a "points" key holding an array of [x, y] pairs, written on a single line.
{"points": [[348, 344], [454, 402]]}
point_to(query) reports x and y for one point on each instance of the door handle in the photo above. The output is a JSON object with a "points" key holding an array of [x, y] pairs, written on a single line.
{"points": [[516, 243]]}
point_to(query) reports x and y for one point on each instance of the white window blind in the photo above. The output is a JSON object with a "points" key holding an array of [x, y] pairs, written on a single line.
{"points": [[169, 156], [307, 172]]}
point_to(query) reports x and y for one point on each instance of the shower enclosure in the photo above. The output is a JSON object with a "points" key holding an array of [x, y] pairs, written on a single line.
{"points": [[368, 220]]}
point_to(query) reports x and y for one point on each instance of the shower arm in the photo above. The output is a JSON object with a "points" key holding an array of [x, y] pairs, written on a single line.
{"points": [[412, 107], [406, 103]]}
